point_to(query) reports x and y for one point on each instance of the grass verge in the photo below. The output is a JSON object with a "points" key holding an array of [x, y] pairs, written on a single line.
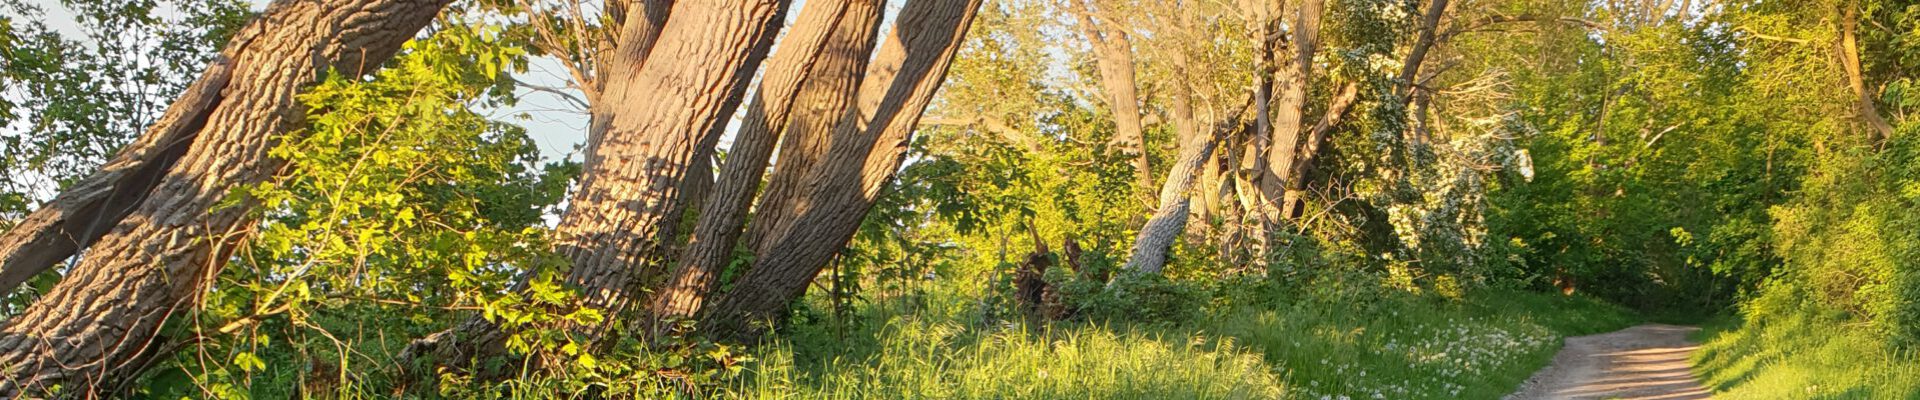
{"points": [[1404, 347], [1803, 356]]}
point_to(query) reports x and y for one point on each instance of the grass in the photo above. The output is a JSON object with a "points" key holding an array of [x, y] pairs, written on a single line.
{"points": [[1803, 356], [1403, 346]]}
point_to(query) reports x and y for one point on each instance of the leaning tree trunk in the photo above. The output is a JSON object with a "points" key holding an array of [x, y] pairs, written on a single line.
{"points": [[1157, 236], [1429, 28], [703, 61], [867, 148], [100, 325], [640, 25], [86, 210], [1850, 62], [1293, 202], [659, 106], [829, 36], [823, 101]]}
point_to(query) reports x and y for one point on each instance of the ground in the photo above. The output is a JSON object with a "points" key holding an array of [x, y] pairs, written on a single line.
{"points": [[1650, 362]]}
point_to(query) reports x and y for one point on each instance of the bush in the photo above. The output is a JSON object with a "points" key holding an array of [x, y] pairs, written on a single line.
{"points": [[1137, 298], [1852, 241]]}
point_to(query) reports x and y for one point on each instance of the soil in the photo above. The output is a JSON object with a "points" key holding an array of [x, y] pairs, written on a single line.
{"points": [[1646, 362]]}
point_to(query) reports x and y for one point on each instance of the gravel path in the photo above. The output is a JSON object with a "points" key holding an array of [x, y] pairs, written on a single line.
{"points": [[1647, 362]]}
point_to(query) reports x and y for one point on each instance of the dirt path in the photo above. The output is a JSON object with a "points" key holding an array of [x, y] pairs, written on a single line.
{"points": [[1647, 362]]}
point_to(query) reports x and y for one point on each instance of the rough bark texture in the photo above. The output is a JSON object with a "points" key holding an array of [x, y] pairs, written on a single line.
{"points": [[702, 61], [86, 210], [671, 83], [827, 32], [1210, 182], [868, 146], [1150, 246], [1294, 201], [100, 326], [1113, 53], [641, 22], [1294, 79], [824, 100], [617, 70], [1157, 236]]}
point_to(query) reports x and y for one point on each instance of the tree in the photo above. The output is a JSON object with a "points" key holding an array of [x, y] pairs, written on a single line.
{"points": [[1167, 222], [829, 42], [1294, 78], [98, 326], [652, 118], [868, 145], [615, 227], [1113, 53], [81, 103]]}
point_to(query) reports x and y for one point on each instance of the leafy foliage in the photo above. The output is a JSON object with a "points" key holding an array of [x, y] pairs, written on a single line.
{"points": [[71, 103], [1684, 162], [404, 203]]}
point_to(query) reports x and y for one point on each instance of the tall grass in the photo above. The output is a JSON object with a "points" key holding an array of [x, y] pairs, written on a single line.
{"points": [[924, 359], [1404, 347], [1804, 356]]}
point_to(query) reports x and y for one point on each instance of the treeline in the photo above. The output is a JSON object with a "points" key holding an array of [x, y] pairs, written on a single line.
{"points": [[329, 206]]}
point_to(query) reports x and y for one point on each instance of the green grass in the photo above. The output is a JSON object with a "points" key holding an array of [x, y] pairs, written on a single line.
{"points": [[1803, 356], [1402, 347]]}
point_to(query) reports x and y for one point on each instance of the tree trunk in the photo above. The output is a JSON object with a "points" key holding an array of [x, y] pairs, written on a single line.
{"points": [[829, 35], [1410, 69], [1295, 80], [824, 100], [1151, 245], [1850, 60], [664, 95], [86, 210], [869, 145], [1294, 202], [641, 22], [1113, 53], [98, 328], [1157, 236], [703, 60]]}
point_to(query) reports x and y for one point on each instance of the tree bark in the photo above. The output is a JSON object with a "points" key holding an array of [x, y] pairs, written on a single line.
{"points": [[824, 100], [661, 105], [703, 60], [1113, 53], [85, 211], [828, 34], [641, 22], [1294, 201], [869, 145], [97, 328], [619, 66], [1157, 236], [1295, 79], [1410, 69]]}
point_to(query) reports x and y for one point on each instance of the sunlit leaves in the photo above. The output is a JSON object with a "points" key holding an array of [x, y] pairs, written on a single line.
{"points": [[400, 204]]}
